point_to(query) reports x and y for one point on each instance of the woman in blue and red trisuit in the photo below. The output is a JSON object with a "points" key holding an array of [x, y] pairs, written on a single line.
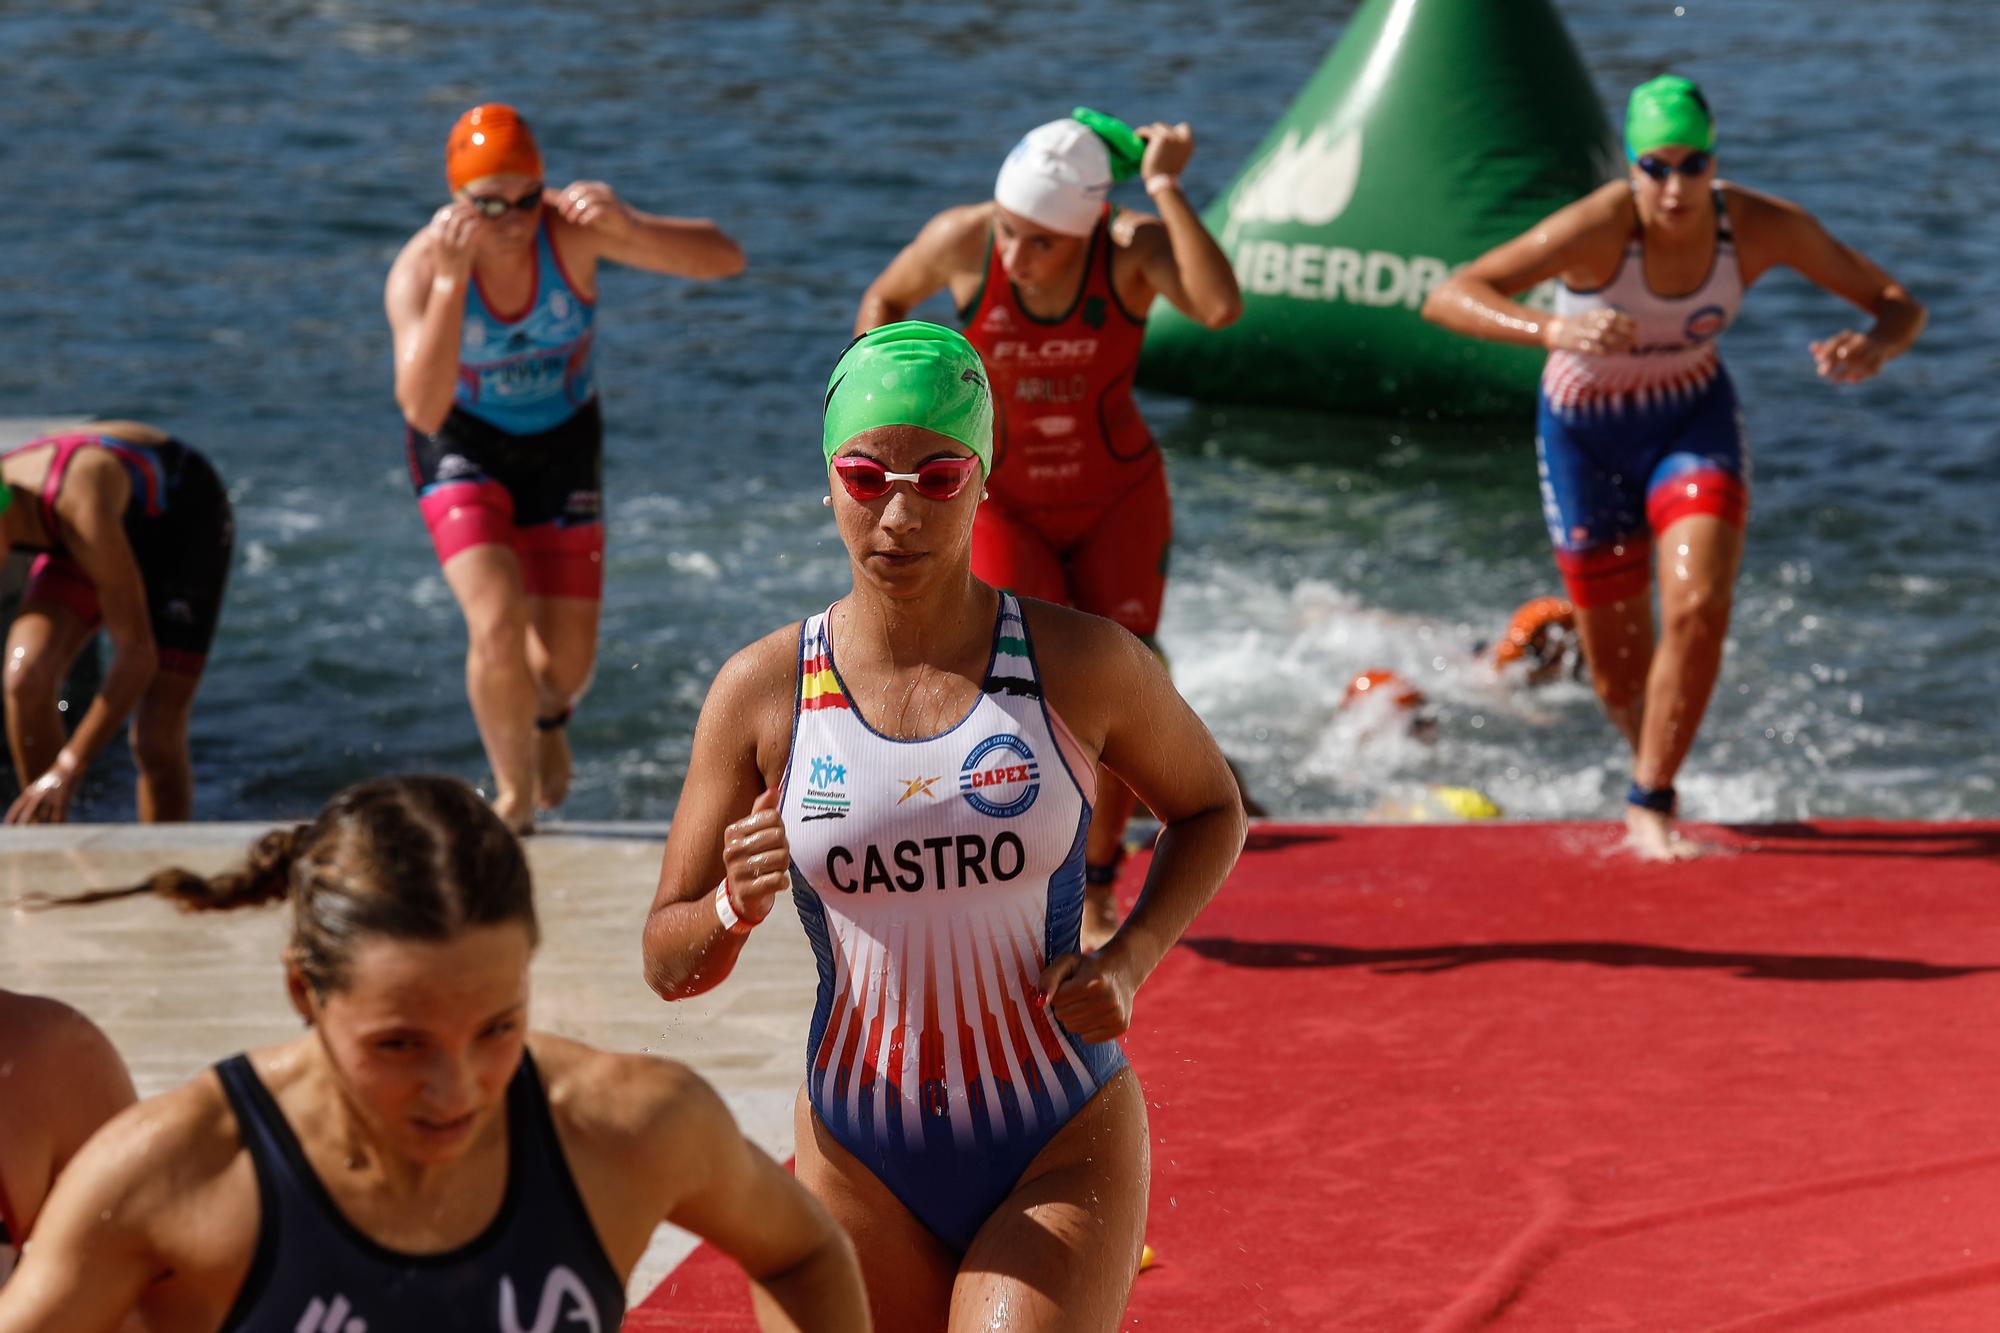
{"points": [[1054, 284], [492, 306], [1639, 438]]}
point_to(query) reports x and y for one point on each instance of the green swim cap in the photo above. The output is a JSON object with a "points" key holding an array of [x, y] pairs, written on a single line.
{"points": [[910, 374], [1127, 149], [1667, 110]]}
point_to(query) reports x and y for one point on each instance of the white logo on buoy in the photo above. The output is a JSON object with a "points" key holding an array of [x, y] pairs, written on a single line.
{"points": [[1309, 180]]}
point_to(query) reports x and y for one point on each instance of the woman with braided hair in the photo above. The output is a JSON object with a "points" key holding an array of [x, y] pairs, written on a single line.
{"points": [[416, 1160]]}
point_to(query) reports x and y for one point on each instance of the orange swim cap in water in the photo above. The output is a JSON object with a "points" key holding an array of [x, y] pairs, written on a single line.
{"points": [[1528, 632], [1380, 682], [490, 140]]}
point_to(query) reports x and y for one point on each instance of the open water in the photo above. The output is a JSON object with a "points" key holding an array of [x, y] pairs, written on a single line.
{"points": [[207, 197]]}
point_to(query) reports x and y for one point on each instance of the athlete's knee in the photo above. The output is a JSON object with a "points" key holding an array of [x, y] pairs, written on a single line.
{"points": [[1617, 689], [159, 744], [32, 679], [1697, 608], [498, 632]]}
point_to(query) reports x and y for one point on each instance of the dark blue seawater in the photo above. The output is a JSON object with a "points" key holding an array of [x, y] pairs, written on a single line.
{"points": [[206, 198]]}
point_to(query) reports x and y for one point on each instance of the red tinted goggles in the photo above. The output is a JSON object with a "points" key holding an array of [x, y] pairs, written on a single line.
{"points": [[939, 479]]}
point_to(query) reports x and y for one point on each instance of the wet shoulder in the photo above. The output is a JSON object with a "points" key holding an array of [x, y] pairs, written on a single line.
{"points": [[1088, 665], [1768, 231], [1754, 210], [760, 667], [616, 1103], [1594, 231], [415, 263], [960, 234], [163, 1164], [637, 1132]]}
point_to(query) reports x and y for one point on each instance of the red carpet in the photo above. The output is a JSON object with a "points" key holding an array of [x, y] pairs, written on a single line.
{"points": [[1504, 1076]]}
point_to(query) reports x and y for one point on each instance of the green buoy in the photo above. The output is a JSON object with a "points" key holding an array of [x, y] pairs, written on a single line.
{"points": [[1433, 130]]}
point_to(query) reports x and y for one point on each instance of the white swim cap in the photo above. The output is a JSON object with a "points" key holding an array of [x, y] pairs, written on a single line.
{"points": [[1058, 177]]}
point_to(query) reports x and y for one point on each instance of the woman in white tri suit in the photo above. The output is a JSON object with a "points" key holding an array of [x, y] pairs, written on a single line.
{"points": [[916, 766]]}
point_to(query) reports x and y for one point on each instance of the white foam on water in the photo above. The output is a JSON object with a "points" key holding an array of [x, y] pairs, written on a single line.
{"points": [[1267, 667]]}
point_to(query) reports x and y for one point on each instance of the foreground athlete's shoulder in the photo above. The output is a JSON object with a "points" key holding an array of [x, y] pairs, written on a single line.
{"points": [[756, 669], [615, 1102], [166, 1152], [1067, 640]]}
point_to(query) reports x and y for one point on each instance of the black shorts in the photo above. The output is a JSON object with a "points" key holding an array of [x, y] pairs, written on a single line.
{"points": [[554, 477]]}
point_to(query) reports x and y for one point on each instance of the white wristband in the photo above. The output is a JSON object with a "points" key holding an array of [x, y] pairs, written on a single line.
{"points": [[725, 912], [1159, 181]]}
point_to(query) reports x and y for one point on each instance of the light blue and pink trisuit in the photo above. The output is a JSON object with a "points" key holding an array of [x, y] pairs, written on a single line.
{"points": [[520, 461], [1630, 443], [935, 879]]}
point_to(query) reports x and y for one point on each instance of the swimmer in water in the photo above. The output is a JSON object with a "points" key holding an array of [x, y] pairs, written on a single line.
{"points": [[135, 534], [493, 307], [1639, 439], [59, 1080], [916, 765], [1053, 284], [418, 1160], [1540, 645], [1389, 704]]}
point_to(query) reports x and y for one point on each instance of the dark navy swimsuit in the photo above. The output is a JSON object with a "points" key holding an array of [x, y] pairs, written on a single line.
{"points": [[538, 1267]]}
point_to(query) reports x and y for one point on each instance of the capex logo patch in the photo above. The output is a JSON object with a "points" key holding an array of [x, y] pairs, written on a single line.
{"points": [[1000, 777]]}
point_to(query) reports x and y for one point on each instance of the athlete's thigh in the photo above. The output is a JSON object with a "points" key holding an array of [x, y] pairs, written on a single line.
{"points": [[1593, 504], [907, 1270], [1705, 469], [1008, 552], [486, 580], [1119, 569], [1699, 557], [42, 643], [562, 561], [1060, 1255]]}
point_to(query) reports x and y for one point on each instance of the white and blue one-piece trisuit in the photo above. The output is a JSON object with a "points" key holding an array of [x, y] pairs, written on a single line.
{"points": [[935, 878]]}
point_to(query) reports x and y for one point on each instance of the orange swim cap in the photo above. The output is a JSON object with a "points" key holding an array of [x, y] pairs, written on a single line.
{"points": [[490, 140], [1527, 632], [1380, 682]]}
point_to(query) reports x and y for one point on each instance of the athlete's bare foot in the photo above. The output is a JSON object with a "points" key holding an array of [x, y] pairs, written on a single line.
{"points": [[1100, 916], [1651, 834], [516, 812], [551, 767]]}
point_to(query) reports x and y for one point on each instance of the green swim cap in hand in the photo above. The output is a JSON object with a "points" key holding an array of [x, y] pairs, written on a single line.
{"points": [[1667, 110], [910, 374], [1127, 149]]}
